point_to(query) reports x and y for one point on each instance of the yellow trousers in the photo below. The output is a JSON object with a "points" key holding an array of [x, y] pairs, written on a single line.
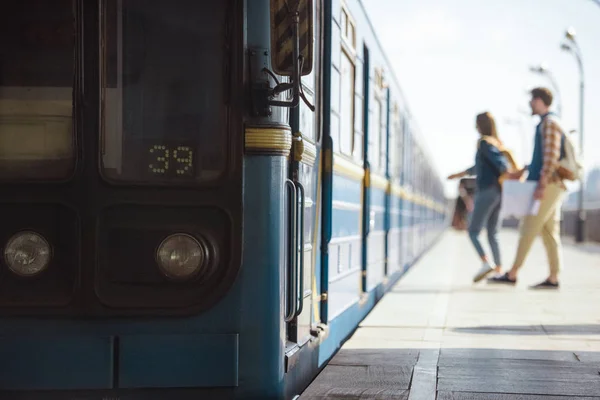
{"points": [[546, 223]]}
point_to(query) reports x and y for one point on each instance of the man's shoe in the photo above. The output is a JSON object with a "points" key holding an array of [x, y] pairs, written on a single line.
{"points": [[502, 279], [546, 285]]}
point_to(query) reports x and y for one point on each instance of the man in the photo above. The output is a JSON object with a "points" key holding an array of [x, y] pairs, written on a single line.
{"points": [[549, 190]]}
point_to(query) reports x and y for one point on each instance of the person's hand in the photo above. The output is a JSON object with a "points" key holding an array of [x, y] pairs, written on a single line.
{"points": [[516, 175], [469, 204], [539, 192], [454, 176]]}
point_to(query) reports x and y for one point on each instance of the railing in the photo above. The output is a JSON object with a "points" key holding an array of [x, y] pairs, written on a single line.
{"points": [[592, 221]]}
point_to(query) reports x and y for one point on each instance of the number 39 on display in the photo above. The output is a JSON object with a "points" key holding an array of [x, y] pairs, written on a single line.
{"points": [[164, 158]]}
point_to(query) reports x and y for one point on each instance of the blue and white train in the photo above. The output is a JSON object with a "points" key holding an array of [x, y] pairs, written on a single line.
{"points": [[200, 199]]}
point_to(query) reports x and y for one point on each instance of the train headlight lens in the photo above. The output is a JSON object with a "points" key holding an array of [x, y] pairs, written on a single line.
{"points": [[181, 256], [27, 254]]}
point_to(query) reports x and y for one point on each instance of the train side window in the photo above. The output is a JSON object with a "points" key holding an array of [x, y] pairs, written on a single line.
{"points": [[164, 101], [37, 68]]}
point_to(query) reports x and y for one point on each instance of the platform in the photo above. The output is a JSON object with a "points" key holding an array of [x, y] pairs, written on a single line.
{"points": [[436, 335]]}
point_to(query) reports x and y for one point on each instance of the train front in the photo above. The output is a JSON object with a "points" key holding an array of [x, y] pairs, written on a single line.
{"points": [[122, 174]]}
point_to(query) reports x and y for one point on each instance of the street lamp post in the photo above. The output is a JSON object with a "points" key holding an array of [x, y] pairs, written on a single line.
{"points": [[542, 69], [572, 47]]}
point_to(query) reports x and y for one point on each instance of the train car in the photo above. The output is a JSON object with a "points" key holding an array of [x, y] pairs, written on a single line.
{"points": [[200, 199]]}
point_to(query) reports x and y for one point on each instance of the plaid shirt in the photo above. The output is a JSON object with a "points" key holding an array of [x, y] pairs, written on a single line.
{"points": [[551, 136]]}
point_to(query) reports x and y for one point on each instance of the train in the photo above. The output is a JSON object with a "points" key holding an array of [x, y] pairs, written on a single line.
{"points": [[200, 199]]}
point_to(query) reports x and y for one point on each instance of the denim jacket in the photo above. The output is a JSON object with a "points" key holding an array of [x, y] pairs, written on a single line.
{"points": [[490, 163]]}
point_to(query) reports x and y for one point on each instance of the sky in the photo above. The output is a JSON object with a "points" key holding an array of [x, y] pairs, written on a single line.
{"points": [[455, 59]]}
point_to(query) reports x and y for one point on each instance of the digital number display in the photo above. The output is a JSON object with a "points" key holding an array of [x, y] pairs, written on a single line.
{"points": [[171, 161]]}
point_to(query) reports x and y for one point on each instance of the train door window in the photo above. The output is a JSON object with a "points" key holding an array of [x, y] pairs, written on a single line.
{"points": [[310, 87], [37, 70], [382, 125], [347, 85], [374, 137], [359, 121], [164, 91], [343, 21], [413, 162], [393, 151], [347, 104], [377, 126], [348, 28], [409, 158], [396, 144], [403, 151], [400, 143]]}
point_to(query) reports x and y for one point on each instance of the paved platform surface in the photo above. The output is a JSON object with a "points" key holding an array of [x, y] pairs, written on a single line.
{"points": [[438, 336]]}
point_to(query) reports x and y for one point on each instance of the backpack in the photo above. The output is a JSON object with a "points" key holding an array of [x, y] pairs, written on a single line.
{"points": [[570, 166], [513, 166]]}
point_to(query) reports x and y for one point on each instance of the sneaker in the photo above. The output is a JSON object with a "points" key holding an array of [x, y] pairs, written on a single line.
{"points": [[546, 285], [485, 270], [502, 279]]}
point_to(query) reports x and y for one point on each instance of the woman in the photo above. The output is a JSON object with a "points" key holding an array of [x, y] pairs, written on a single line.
{"points": [[490, 165]]}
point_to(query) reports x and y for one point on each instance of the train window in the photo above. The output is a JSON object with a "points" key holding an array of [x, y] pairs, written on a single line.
{"points": [[396, 144], [351, 34], [164, 112], [348, 28], [400, 133], [378, 124], [408, 159], [36, 90], [374, 137], [359, 123], [347, 104], [383, 137]]}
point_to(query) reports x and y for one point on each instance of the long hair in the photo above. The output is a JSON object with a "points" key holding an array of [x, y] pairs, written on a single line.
{"points": [[487, 125]]}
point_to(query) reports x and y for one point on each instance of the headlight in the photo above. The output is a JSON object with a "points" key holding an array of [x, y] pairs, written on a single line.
{"points": [[27, 254], [181, 256]]}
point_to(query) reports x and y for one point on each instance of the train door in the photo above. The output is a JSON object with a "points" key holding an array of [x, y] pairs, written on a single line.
{"points": [[394, 237], [376, 182], [404, 217], [343, 177], [409, 207], [304, 189]]}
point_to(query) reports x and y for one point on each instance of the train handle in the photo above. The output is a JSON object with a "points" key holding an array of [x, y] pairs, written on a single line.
{"points": [[292, 304], [300, 248]]}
